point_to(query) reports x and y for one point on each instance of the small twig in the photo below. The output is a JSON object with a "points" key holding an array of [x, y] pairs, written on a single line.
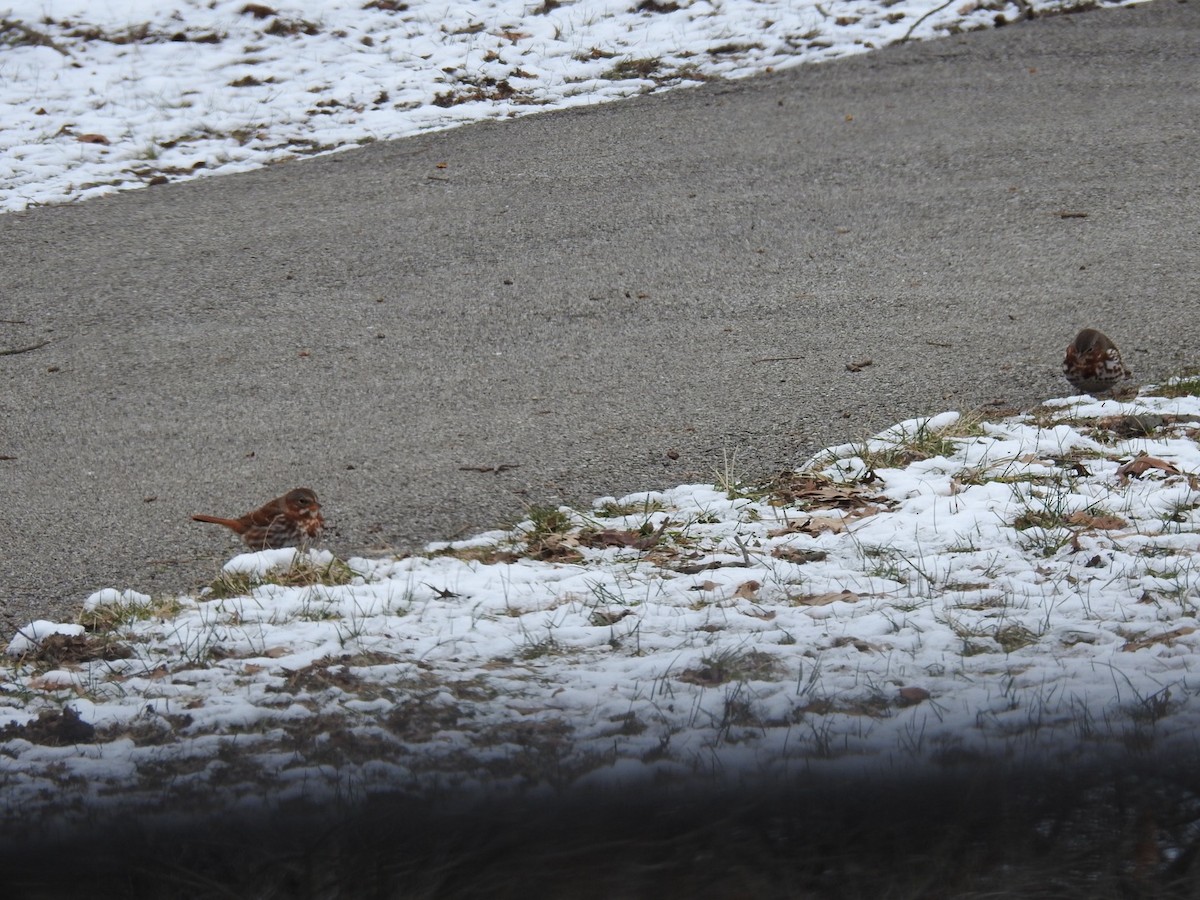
{"points": [[939, 343], [737, 539], [492, 470], [776, 359], [17, 350], [716, 564], [914, 25], [651, 540]]}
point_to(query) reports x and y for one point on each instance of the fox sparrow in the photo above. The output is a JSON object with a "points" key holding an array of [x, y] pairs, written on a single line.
{"points": [[295, 518], [1093, 364]]}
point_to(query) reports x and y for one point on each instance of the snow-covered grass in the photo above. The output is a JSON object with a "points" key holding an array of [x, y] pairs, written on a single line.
{"points": [[948, 593], [952, 591], [100, 97]]}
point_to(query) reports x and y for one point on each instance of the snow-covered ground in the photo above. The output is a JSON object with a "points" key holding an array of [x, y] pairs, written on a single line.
{"points": [[97, 97], [949, 592]]}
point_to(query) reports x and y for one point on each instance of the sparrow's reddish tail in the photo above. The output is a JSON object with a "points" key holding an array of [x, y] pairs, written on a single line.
{"points": [[217, 520]]}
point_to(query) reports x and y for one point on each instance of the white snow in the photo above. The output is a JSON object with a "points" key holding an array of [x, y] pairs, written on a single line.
{"points": [[947, 592], [100, 97], [30, 636]]}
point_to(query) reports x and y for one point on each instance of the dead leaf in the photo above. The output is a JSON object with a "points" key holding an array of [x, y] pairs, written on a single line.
{"points": [[609, 537], [1143, 464], [258, 11], [1167, 637], [813, 490], [69, 650], [600, 617], [862, 512], [92, 139], [826, 599], [1130, 426], [715, 564], [798, 556], [859, 366], [555, 546], [790, 528], [858, 644], [612, 537], [704, 586], [748, 590], [705, 677], [911, 696], [1085, 519], [819, 524], [603, 617], [758, 612]]}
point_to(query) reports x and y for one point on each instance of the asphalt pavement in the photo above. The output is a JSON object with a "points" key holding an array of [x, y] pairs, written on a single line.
{"points": [[439, 332]]}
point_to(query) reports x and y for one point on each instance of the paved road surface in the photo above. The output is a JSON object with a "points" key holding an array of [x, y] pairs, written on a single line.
{"points": [[590, 296]]}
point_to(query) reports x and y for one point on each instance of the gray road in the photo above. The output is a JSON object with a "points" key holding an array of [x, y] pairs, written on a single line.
{"points": [[589, 296]]}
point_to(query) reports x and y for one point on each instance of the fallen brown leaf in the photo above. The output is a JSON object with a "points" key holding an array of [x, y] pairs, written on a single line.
{"points": [[613, 537], [1103, 522], [813, 490], [819, 524], [748, 590], [911, 696], [858, 644], [605, 617], [826, 599], [1167, 637], [715, 564], [758, 612], [798, 556], [1143, 464]]}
